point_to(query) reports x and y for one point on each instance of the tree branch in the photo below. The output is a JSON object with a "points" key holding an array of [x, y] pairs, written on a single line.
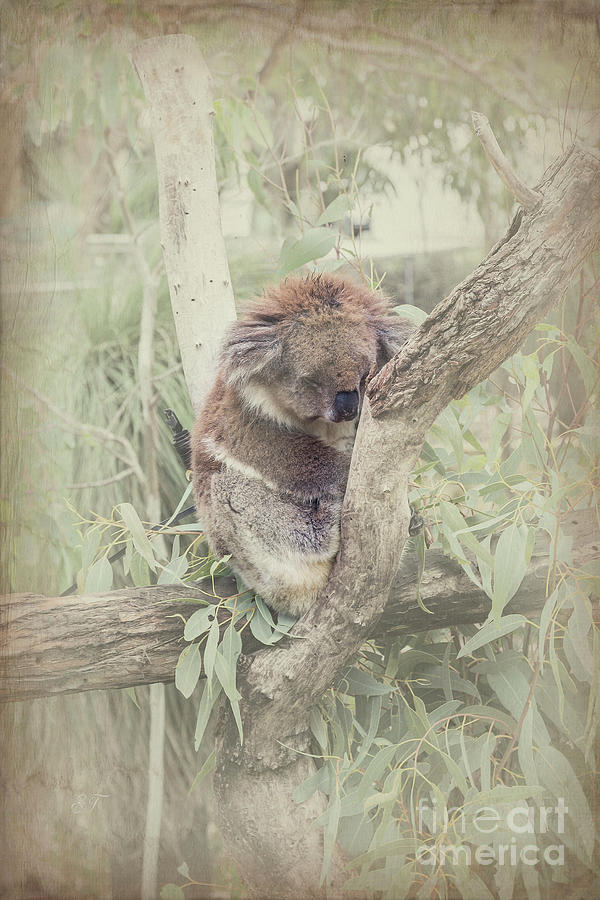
{"points": [[483, 321], [489, 315], [526, 197], [133, 636]]}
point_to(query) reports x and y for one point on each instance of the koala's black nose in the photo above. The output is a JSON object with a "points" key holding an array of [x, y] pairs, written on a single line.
{"points": [[345, 404]]}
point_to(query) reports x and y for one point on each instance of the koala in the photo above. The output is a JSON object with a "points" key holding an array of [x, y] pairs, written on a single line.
{"points": [[271, 447]]}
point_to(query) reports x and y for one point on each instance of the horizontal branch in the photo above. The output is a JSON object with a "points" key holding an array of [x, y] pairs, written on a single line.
{"points": [[85, 642], [133, 636], [455, 600]]}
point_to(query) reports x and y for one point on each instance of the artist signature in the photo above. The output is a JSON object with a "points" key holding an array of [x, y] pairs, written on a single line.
{"points": [[86, 802]]}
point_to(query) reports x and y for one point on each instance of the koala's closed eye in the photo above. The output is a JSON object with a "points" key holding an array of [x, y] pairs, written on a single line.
{"points": [[312, 383]]}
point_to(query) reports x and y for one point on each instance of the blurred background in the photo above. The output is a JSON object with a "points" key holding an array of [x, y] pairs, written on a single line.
{"points": [[365, 100]]}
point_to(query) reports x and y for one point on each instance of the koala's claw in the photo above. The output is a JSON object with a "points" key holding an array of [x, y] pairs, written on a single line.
{"points": [[416, 524]]}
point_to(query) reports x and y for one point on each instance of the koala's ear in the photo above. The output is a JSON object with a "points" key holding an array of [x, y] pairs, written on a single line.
{"points": [[392, 332], [251, 345]]}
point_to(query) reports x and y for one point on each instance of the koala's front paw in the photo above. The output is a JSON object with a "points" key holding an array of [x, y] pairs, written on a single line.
{"points": [[416, 524], [321, 475]]}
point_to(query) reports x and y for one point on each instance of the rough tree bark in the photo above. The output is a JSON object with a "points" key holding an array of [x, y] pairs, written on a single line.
{"points": [[133, 636]]}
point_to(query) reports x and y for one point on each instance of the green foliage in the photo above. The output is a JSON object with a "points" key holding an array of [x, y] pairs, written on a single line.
{"points": [[219, 629], [213, 632]]}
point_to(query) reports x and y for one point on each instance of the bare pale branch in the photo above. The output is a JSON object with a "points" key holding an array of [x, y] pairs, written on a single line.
{"points": [[527, 197]]}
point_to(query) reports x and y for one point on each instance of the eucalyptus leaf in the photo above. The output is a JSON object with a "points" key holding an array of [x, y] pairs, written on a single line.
{"points": [[335, 210], [138, 533], [99, 577], [510, 566], [207, 767], [89, 546], [318, 727], [261, 629], [174, 571], [181, 504], [314, 782], [375, 704], [314, 244], [210, 695], [547, 612], [199, 622], [512, 689], [576, 642], [357, 682], [557, 775], [377, 766], [139, 570], [413, 313], [210, 648], [187, 670], [225, 667], [491, 631]]}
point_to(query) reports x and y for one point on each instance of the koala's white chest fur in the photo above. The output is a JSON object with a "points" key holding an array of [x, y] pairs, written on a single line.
{"points": [[260, 399]]}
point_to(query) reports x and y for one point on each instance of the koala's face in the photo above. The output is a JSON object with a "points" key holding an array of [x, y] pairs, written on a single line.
{"points": [[306, 350], [323, 368]]}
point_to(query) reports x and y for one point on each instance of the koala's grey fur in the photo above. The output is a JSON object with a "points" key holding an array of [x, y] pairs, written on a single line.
{"points": [[270, 455]]}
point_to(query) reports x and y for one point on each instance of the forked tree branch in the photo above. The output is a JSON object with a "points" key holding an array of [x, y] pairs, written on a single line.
{"points": [[479, 325]]}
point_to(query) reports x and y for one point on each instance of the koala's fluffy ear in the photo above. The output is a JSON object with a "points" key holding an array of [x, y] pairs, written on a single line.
{"points": [[251, 345], [392, 332]]}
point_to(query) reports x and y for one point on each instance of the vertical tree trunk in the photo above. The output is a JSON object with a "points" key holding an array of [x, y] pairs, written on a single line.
{"points": [[177, 87], [176, 83]]}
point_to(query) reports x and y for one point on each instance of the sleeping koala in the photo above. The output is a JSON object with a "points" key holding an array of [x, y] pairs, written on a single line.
{"points": [[271, 447]]}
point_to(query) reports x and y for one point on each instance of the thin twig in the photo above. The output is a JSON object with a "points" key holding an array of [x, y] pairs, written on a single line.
{"points": [[178, 367], [82, 485], [156, 766], [514, 739], [524, 194], [280, 42], [102, 434]]}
